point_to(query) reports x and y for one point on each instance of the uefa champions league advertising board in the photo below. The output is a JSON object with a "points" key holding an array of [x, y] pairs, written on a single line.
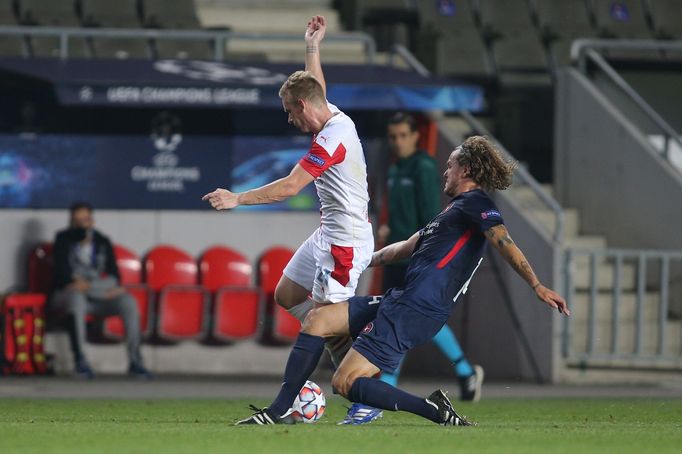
{"points": [[169, 171]]}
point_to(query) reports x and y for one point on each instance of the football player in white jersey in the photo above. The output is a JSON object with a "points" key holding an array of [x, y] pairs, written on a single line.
{"points": [[329, 263]]}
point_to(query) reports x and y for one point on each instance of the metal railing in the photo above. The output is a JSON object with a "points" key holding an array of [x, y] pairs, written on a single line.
{"points": [[625, 305], [408, 57], [219, 38], [584, 50], [524, 176]]}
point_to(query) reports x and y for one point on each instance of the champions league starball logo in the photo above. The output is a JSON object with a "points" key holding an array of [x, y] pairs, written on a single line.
{"points": [[220, 72], [166, 132], [166, 175]]}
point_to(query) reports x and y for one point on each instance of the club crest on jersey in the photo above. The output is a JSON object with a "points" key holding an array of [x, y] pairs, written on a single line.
{"points": [[368, 328], [490, 214], [318, 161]]}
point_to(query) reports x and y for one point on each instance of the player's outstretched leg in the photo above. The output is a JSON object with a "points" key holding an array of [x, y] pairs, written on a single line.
{"points": [[470, 377], [302, 361], [320, 323], [364, 414], [352, 381]]}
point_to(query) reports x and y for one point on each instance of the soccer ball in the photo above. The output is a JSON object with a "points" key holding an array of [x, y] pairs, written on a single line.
{"points": [[309, 404]]}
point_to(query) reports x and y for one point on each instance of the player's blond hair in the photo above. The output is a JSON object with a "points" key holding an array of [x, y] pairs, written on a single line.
{"points": [[487, 167], [302, 85]]}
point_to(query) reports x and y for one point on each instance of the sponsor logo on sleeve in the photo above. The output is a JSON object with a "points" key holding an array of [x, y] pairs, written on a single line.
{"points": [[318, 161], [490, 214]]}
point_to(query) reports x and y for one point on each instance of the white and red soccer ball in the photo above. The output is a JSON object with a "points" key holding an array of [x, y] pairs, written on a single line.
{"points": [[310, 403]]}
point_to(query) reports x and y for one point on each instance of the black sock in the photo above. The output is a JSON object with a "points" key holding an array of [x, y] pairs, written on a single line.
{"points": [[374, 392], [302, 361]]}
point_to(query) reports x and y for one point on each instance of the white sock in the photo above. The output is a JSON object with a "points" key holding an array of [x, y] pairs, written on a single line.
{"points": [[301, 310]]}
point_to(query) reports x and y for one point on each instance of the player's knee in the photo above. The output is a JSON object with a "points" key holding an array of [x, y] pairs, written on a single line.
{"points": [[314, 323]]}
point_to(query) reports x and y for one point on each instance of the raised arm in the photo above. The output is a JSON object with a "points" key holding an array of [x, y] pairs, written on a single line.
{"points": [[278, 190], [395, 252], [499, 237], [317, 26]]}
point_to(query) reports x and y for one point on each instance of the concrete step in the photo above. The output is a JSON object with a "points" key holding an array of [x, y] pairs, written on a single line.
{"points": [[605, 278], [627, 307], [626, 339], [294, 51], [548, 188], [547, 219], [291, 19], [586, 242], [263, 4], [653, 374], [527, 198]]}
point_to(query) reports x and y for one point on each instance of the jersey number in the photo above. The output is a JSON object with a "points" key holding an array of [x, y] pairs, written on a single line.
{"points": [[465, 287]]}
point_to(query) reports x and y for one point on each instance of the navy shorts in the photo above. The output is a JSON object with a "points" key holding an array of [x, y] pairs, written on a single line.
{"points": [[385, 332]]}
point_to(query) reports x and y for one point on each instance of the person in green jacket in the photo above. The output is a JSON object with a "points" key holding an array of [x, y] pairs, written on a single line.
{"points": [[414, 198], [414, 191]]}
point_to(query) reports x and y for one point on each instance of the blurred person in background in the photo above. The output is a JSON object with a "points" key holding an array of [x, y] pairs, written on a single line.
{"points": [[87, 282]]}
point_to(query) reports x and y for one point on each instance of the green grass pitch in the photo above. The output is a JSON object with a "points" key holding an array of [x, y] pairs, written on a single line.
{"points": [[205, 426]]}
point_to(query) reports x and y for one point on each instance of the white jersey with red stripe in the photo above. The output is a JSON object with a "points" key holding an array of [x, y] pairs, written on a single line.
{"points": [[337, 162]]}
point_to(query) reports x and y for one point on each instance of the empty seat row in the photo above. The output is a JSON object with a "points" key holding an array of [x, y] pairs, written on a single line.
{"points": [[100, 13], [487, 36], [179, 298], [170, 14], [121, 48]]}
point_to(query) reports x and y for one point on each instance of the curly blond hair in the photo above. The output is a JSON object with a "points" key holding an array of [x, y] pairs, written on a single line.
{"points": [[302, 85], [487, 167]]}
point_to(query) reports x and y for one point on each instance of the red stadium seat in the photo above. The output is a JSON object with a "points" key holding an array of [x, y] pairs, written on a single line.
{"points": [[181, 303], [130, 269], [40, 263], [236, 304], [236, 312], [167, 265], [283, 326], [129, 265], [221, 266]]}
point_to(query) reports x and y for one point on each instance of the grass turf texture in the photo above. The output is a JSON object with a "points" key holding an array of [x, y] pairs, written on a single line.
{"points": [[204, 426]]}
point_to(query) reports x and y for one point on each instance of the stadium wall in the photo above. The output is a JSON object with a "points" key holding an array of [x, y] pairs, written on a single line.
{"points": [[607, 168], [140, 230]]}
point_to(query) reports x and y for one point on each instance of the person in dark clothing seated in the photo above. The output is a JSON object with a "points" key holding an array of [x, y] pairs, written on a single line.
{"points": [[87, 282]]}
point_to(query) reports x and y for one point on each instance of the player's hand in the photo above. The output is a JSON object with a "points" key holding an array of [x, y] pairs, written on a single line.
{"points": [[314, 33], [553, 299], [222, 199]]}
